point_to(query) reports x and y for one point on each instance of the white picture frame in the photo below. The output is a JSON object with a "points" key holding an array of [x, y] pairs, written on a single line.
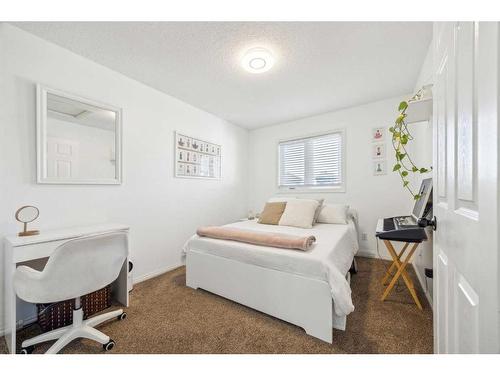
{"points": [[196, 158], [379, 167], [378, 151], [378, 134]]}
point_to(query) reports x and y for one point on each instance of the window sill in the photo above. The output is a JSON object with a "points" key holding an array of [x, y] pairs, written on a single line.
{"points": [[311, 190]]}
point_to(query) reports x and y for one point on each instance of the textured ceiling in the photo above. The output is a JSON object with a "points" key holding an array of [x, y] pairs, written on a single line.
{"points": [[320, 66]]}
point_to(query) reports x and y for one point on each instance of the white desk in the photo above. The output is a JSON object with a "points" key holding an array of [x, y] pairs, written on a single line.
{"points": [[23, 249]]}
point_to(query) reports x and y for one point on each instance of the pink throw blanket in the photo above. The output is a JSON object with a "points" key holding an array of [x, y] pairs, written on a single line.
{"points": [[286, 241]]}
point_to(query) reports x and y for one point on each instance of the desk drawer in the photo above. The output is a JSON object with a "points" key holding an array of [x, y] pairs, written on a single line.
{"points": [[35, 251]]}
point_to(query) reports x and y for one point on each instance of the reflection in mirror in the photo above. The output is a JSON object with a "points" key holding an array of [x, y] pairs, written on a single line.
{"points": [[80, 139]]}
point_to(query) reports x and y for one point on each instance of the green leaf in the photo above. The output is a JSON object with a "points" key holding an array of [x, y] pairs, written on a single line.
{"points": [[404, 139], [423, 170], [416, 196], [405, 183], [400, 119], [402, 106], [391, 129], [402, 155], [396, 167], [414, 169], [404, 173]]}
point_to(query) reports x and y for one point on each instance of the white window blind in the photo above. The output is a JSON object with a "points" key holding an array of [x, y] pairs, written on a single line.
{"points": [[311, 162]]}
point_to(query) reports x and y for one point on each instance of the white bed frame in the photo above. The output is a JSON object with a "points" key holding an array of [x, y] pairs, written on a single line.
{"points": [[299, 300]]}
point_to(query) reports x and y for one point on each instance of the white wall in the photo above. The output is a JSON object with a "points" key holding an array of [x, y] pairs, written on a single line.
{"points": [[162, 211], [423, 157], [373, 196]]}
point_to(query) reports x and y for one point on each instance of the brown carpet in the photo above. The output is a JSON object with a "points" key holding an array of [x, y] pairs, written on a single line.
{"points": [[165, 316]]}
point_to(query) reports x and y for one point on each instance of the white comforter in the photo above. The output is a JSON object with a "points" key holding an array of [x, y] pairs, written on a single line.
{"points": [[329, 259]]}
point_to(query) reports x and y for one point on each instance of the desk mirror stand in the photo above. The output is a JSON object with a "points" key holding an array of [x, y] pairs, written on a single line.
{"points": [[25, 215]]}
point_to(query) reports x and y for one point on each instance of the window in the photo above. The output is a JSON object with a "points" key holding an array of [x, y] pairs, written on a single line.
{"points": [[312, 162]]}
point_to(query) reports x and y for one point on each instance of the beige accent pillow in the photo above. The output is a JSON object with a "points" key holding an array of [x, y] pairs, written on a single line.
{"points": [[272, 213], [299, 213], [333, 214]]}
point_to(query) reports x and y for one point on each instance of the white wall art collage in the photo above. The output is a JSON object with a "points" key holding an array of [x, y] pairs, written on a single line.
{"points": [[379, 151], [195, 158]]}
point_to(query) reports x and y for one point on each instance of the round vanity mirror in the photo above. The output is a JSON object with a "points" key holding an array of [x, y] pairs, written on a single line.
{"points": [[25, 215]]}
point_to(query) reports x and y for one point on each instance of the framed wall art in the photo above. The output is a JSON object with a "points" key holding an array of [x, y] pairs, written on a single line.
{"points": [[378, 151], [378, 134], [379, 167], [195, 158]]}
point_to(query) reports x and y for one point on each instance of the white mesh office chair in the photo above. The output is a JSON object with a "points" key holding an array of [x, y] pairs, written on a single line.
{"points": [[75, 268]]}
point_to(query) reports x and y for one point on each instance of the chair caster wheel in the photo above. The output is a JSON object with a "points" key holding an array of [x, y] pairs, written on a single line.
{"points": [[122, 316], [109, 345], [27, 350]]}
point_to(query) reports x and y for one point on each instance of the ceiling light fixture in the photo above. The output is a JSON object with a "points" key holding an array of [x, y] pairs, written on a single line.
{"points": [[257, 60]]}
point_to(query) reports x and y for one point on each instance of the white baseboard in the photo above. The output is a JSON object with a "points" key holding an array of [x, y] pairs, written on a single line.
{"points": [[155, 273], [424, 287], [365, 253]]}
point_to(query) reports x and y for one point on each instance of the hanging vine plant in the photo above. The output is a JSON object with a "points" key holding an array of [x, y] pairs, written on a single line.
{"points": [[400, 137]]}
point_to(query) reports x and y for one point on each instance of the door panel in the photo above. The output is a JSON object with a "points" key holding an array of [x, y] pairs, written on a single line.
{"points": [[466, 114], [467, 317], [466, 193], [441, 310], [441, 121], [62, 158]]}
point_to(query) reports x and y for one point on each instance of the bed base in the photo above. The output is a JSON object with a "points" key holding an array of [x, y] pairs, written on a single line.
{"points": [[296, 299]]}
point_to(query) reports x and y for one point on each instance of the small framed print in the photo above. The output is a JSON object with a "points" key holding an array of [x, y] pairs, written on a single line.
{"points": [[378, 151], [378, 134], [379, 167]]}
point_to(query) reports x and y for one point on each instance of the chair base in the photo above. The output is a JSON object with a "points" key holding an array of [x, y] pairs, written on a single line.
{"points": [[79, 329]]}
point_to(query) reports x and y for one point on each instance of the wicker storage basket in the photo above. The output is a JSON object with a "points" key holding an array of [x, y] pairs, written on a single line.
{"points": [[60, 314]]}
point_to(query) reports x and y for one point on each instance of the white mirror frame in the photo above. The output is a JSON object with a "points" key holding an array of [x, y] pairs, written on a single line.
{"points": [[41, 137]]}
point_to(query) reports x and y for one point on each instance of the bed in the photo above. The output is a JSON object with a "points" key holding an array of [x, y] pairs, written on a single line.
{"points": [[307, 288]]}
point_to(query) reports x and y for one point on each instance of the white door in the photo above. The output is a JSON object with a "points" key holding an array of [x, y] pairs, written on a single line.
{"points": [[62, 158], [465, 126]]}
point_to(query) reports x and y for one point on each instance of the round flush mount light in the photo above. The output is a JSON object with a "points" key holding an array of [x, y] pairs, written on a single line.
{"points": [[257, 60]]}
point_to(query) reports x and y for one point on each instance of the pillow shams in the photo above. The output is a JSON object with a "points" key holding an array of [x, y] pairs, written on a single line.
{"points": [[333, 214], [299, 213]]}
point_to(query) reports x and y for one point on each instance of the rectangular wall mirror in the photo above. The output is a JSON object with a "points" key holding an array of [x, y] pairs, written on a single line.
{"points": [[78, 140]]}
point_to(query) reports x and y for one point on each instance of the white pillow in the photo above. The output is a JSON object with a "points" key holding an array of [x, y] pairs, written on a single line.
{"points": [[333, 214], [286, 199], [299, 213]]}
